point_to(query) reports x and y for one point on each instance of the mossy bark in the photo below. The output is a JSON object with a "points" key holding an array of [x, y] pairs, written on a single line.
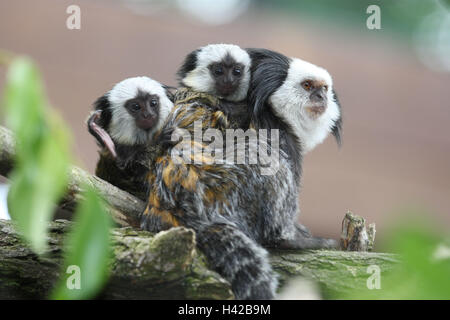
{"points": [[144, 266], [168, 266], [336, 272]]}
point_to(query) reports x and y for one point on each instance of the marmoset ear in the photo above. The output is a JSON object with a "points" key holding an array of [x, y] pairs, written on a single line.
{"points": [[269, 70], [104, 106], [170, 92], [337, 128], [189, 64]]}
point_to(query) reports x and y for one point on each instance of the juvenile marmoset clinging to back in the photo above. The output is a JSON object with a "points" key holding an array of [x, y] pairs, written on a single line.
{"points": [[221, 72], [125, 120]]}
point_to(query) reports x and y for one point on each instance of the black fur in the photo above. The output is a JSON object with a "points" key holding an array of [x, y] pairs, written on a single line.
{"points": [[124, 172], [266, 78], [337, 129], [269, 71], [102, 104], [189, 64]]}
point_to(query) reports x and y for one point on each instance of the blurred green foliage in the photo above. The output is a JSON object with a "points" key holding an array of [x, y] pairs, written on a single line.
{"points": [[88, 248], [424, 271], [39, 181], [41, 165]]}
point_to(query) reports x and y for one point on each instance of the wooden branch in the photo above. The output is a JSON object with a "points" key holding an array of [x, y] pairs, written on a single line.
{"points": [[336, 272], [123, 207], [168, 266], [144, 266], [354, 236], [7, 151]]}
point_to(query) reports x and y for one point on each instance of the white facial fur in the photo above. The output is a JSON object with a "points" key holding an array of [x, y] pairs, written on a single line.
{"points": [[290, 100], [122, 127], [200, 78]]}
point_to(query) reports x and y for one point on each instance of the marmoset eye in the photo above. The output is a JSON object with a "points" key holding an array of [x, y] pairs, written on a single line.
{"points": [[218, 71], [135, 107], [307, 85]]}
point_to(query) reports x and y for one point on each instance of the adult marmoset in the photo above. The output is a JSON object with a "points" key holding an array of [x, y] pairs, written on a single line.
{"points": [[233, 207], [296, 98]]}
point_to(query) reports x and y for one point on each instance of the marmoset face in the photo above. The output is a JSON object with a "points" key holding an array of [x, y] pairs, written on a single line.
{"points": [[219, 69]]}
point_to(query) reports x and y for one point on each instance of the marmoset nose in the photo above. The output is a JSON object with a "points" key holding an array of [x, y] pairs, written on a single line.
{"points": [[318, 95], [149, 111], [228, 79]]}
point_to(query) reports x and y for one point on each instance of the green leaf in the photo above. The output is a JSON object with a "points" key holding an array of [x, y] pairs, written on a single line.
{"points": [[39, 180], [88, 249], [41, 165]]}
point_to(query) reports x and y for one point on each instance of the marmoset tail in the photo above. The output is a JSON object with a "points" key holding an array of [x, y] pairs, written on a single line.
{"points": [[125, 120], [239, 259]]}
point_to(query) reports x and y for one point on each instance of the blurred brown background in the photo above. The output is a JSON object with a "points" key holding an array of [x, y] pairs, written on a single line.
{"points": [[396, 151]]}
